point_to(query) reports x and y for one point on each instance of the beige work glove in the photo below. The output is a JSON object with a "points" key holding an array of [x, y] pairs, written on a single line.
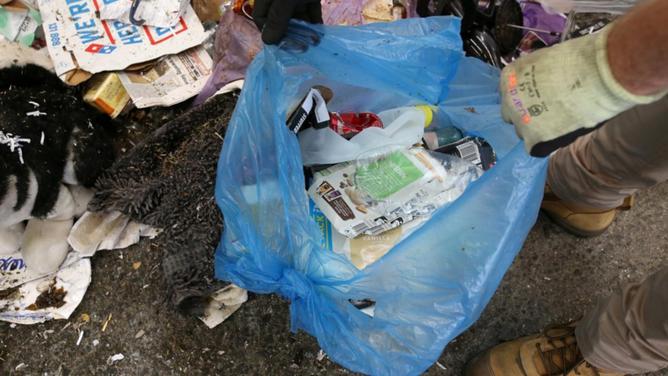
{"points": [[557, 94]]}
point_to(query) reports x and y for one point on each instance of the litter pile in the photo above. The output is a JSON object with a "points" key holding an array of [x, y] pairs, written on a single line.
{"points": [[498, 32], [122, 59], [373, 179], [89, 163]]}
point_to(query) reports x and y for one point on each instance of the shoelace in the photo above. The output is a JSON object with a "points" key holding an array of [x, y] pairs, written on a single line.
{"points": [[567, 353], [585, 364]]}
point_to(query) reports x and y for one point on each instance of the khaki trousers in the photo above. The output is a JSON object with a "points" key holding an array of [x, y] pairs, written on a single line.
{"points": [[626, 332]]}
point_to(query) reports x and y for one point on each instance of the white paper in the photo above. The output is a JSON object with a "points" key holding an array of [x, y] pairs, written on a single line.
{"points": [[14, 271], [223, 304], [172, 80], [158, 13], [96, 231], [232, 86], [78, 38], [74, 278]]}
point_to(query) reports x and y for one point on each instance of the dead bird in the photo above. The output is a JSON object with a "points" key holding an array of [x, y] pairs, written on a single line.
{"points": [[167, 181], [53, 146]]}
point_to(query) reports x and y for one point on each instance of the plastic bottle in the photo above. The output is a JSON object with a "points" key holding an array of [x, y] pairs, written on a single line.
{"points": [[442, 136], [403, 115]]}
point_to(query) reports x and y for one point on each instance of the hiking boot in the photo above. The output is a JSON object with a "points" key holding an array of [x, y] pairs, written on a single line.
{"points": [[580, 220], [551, 353]]}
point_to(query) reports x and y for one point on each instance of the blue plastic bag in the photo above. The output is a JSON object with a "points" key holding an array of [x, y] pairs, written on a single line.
{"points": [[431, 286]]}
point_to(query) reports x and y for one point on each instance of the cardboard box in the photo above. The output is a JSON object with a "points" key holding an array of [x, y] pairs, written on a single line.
{"points": [[107, 94], [81, 44]]}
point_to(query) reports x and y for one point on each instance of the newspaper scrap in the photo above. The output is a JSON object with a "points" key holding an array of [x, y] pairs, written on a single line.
{"points": [[80, 43], [172, 80], [223, 304], [29, 298], [19, 23], [158, 13]]}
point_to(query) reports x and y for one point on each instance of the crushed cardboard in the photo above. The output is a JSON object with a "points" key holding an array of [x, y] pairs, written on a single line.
{"points": [[81, 44]]}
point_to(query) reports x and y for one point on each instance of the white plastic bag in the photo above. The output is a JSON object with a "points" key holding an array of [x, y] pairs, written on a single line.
{"points": [[403, 127]]}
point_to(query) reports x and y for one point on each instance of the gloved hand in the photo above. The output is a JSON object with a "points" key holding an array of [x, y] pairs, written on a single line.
{"points": [[557, 94], [272, 16]]}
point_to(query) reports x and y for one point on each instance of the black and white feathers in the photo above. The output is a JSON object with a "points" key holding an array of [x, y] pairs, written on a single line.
{"points": [[52, 144], [58, 137]]}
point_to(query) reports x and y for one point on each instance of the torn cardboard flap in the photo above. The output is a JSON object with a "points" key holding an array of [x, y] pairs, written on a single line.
{"points": [[80, 43]]}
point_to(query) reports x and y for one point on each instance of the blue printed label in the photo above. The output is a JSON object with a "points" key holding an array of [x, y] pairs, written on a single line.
{"points": [[323, 224]]}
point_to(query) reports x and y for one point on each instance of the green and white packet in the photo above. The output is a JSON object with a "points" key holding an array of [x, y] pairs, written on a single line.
{"points": [[19, 25], [376, 195]]}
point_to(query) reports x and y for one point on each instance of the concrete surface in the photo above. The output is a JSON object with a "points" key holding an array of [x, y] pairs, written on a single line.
{"points": [[555, 279]]}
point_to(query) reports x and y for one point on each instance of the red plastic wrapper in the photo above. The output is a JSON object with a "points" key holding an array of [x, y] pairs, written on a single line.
{"points": [[350, 124]]}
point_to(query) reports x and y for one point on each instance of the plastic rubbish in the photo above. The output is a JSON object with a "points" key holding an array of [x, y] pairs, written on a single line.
{"points": [[432, 285], [236, 43], [238, 40], [591, 6], [403, 127], [541, 27], [380, 193], [472, 149], [358, 12], [211, 10], [384, 11], [19, 24], [441, 137], [310, 113], [362, 250], [348, 125]]}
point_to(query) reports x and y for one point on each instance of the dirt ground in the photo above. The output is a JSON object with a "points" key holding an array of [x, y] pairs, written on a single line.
{"points": [[556, 278]]}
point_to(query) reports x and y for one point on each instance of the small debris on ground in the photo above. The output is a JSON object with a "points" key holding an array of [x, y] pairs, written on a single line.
{"points": [[106, 322], [115, 358], [81, 334]]}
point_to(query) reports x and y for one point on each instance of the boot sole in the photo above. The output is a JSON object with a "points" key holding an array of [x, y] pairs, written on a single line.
{"points": [[561, 222]]}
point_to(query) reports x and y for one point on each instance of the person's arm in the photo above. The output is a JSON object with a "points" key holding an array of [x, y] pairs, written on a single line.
{"points": [[557, 94], [638, 49]]}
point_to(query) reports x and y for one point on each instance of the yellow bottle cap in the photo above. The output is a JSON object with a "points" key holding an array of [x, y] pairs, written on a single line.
{"points": [[428, 114]]}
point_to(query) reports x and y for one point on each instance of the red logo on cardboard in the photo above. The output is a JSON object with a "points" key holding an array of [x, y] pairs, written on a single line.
{"points": [[157, 35]]}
